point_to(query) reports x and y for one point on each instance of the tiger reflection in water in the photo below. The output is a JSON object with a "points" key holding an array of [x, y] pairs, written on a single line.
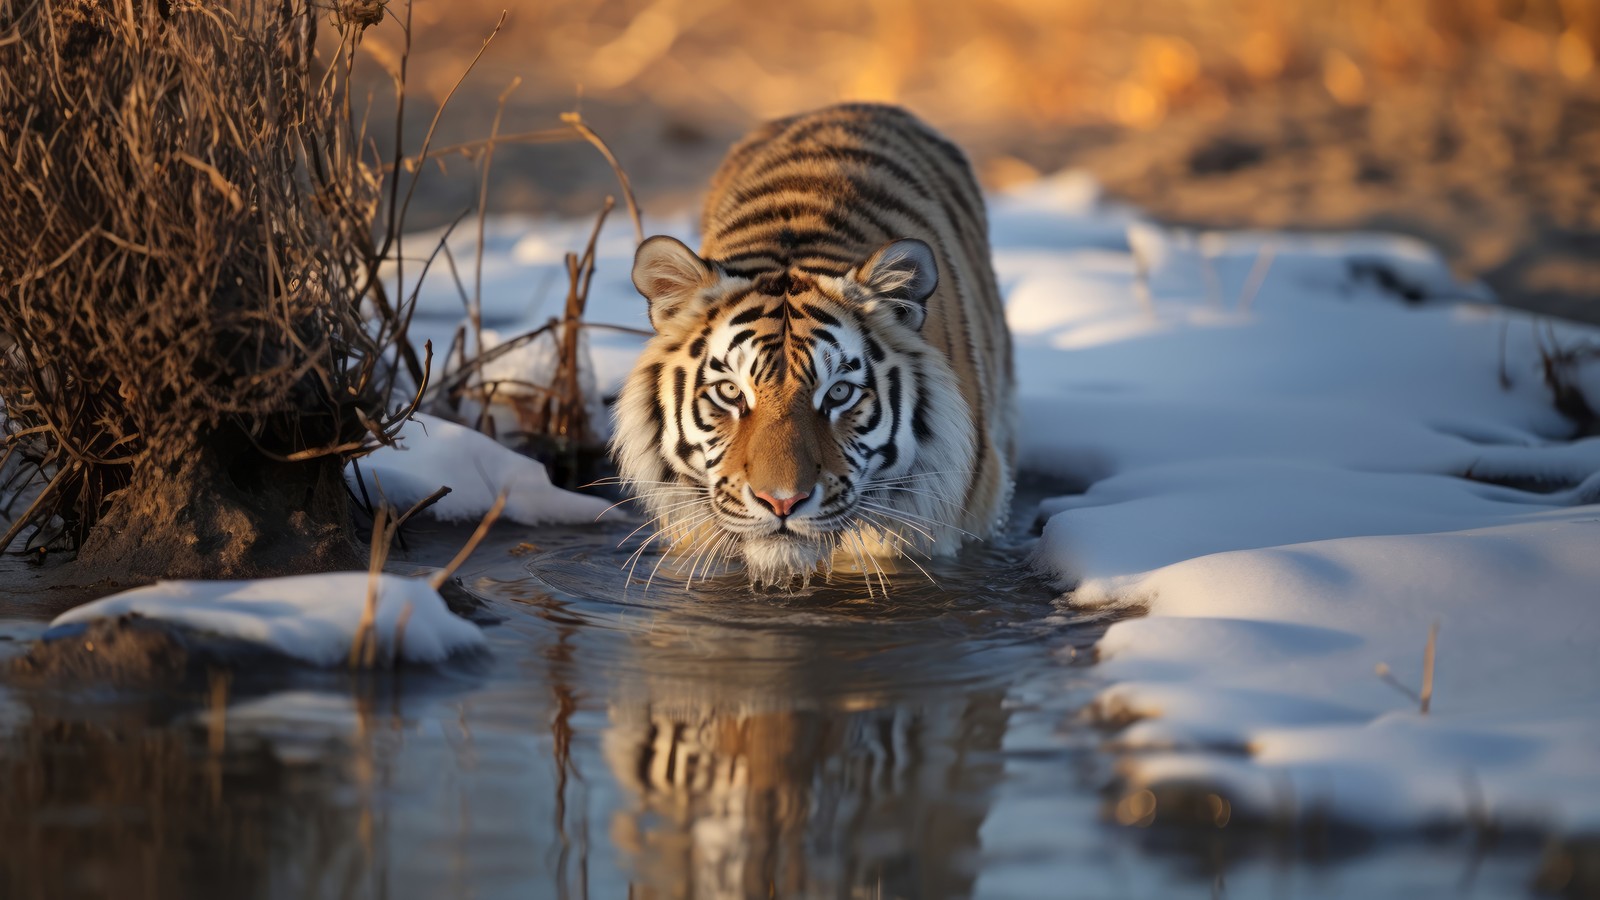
{"points": [[853, 798]]}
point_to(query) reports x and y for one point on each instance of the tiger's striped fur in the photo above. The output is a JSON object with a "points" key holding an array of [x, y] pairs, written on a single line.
{"points": [[832, 372]]}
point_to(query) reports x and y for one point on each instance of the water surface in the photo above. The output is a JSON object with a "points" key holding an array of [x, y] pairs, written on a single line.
{"points": [[633, 736]]}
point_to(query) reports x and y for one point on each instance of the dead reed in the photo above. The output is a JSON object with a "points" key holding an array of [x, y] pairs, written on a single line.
{"points": [[194, 336], [1423, 696]]}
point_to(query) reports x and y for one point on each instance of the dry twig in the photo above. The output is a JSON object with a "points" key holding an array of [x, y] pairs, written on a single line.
{"points": [[1424, 697], [441, 577]]}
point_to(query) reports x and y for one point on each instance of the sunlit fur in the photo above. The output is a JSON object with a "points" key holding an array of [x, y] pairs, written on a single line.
{"points": [[810, 349]]}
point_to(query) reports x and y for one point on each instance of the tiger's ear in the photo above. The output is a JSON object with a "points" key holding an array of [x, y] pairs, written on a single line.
{"points": [[668, 274], [901, 274]]}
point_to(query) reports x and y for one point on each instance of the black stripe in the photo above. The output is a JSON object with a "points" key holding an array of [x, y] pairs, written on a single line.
{"points": [[790, 242], [804, 363], [698, 346], [748, 316], [889, 451], [834, 153], [744, 255], [842, 259], [657, 415], [844, 191], [694, 402], [920, 429], [832, 215], [820, 314], [912, 140], [680, 380], [962, 183], [877, 405]]}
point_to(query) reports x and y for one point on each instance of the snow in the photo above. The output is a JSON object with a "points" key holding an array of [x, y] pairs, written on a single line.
{"points": [[432, 452], [1274, 650], [1272, 433], [311, 618]]}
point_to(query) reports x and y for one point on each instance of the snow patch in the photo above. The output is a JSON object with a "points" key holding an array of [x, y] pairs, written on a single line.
{"points": [[433, 453], [311, 618], [1299, 453]]}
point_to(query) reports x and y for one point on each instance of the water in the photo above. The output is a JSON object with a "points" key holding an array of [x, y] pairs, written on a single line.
{"points": [[625, 740]]}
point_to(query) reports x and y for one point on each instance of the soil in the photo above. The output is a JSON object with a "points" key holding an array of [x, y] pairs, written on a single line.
{"points": [[118, 652], [1500, 172], [254, 519], [240, 517]]}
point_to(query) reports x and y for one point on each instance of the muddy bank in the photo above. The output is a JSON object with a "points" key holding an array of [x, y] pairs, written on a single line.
{"points": [[1500, 171]]}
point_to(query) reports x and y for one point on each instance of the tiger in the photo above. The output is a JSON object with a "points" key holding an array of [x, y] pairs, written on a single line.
{"points": [[830, 379]]}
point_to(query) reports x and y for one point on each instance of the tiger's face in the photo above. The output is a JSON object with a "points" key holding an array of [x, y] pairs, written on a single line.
{"points": [[783, 413]]}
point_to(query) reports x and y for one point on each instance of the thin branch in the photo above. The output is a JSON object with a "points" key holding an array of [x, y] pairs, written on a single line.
{"points": [[576, 121], [38, 504], [423, 504], [475, 309], [470, 149], [443, 575], [433, 126], [1426, 694]]}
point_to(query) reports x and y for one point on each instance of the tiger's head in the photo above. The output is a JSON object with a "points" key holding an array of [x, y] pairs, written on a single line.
{"points": [[787, 415]]}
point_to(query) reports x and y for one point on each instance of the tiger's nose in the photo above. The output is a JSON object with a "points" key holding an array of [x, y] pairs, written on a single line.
{"points": [[781, 506]]}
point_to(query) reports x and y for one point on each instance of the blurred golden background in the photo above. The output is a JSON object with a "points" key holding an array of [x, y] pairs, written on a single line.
{"points": [[1472, 123]]}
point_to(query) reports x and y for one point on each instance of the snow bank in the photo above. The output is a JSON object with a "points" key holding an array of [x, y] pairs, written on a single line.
{"points": [[1273, 432], [311, 618], [1273, 651], [433, 452]]}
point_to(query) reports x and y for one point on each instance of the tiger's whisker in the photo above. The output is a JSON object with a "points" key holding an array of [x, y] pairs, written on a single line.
{"points": [[900, 517], [909, 546], [700, 555], [902, 513], [665, 529], [661, 518]]}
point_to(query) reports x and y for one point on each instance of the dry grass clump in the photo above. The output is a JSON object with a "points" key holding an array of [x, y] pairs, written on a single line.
{"points": [[186, 247], [549, 417], [1566, 370]]}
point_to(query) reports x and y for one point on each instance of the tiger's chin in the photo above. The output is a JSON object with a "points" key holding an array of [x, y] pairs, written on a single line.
{"points": [[777, 559]]}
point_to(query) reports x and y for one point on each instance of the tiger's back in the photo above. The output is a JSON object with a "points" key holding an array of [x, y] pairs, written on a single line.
{"points": [[821, 190]]}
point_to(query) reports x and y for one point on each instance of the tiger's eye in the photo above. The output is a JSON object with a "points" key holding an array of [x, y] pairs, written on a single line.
{"points": [[729, 392], [838, 395]]}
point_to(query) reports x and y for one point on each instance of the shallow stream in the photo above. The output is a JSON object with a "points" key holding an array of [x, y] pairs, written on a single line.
{"points": [[634, 739]]}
